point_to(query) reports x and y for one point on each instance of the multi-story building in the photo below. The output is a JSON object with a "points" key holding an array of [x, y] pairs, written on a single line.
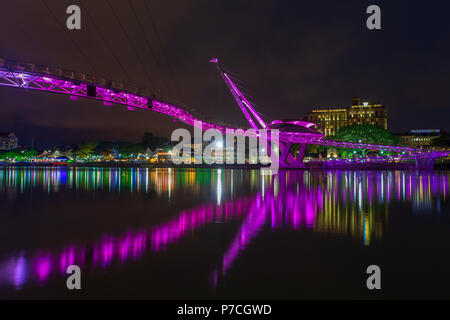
{"points": [[332, 119], [366, 113], [421, 137], [8, 141]]}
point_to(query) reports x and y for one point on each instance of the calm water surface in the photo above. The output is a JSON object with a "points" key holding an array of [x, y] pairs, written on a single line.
{"points": [[166, 233]]}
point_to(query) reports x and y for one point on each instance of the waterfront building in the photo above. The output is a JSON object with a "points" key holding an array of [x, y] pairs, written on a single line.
{"points": [[161, 156], [420, 137], [332, 119], [8, 141], [147, 155]]}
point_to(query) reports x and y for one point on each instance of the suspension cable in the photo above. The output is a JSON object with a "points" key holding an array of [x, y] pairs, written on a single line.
{"points": [[162, 47], [9, 16], [69, 36], [148, 44], [130, 43], [106, 43]]}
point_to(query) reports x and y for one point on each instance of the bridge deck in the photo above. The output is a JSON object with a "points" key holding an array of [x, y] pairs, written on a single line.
{"points": [[75, 84]]}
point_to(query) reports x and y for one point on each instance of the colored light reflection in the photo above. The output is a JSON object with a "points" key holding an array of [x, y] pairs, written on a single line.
{"points": [[346, 203]]}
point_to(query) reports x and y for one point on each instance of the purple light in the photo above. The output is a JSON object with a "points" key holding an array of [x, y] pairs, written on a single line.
{"points": [[284, 205], [56, 84], [67, 259], [20, 272], [43, 268]]}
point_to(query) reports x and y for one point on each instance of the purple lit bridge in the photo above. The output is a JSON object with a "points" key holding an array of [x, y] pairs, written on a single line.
{"points": [[76, 85]]}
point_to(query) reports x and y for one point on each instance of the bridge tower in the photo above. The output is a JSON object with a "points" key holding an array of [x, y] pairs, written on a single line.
{"points": [[285, 157]]}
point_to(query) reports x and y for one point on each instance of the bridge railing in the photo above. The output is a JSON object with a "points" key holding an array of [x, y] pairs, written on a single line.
{"points": [[70, 75], [66, 74]]}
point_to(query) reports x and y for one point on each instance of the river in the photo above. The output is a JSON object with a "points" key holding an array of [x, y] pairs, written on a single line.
{"points": [[222, 233]]}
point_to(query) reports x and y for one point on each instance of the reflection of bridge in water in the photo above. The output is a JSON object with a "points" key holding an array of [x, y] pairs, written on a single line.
{"points": [[353, 204], [80, 85]]}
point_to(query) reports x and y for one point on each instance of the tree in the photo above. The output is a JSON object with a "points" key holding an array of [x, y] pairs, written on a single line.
{"points": [[86, 149], [118, 149], [18, 154], [363, 133], [148, 139], [442, 141], [153, 142], [29, 154], [310, 149]]}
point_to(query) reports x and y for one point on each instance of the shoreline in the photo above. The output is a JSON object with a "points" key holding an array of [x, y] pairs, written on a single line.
{"points": [[314, 167]]}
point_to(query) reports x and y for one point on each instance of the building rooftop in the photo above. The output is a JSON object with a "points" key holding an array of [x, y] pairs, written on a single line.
{"points": [[329, 110]]}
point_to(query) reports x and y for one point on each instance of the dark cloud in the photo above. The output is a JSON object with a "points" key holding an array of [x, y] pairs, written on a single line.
{"points": [[290, 55]]}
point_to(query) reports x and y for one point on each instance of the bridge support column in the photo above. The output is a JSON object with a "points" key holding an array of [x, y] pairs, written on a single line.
{"points": [[287, 160], [300, 154], [425, 163], [284, 148]]}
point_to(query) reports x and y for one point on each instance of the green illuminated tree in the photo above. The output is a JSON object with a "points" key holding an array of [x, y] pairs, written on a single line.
{"points": [[363, 133], [442, 141], [116, 148], [18, 154], [86, 149]]}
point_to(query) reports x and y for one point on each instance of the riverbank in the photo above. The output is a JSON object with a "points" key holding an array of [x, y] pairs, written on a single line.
{"points": [[133, 165], [309, 166]]}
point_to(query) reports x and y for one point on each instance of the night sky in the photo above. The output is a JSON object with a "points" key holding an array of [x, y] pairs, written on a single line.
{"points": [[291, 56]]}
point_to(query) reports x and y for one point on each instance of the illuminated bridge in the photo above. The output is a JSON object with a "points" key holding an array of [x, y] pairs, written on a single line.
{"points": [[76, 85]]}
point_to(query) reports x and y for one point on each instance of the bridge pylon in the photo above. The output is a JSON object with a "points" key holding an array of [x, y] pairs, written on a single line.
{"points": [[290, 161]]}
